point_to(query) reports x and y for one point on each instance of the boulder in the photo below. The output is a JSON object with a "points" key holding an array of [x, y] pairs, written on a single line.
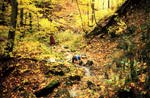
{"points": [[58, 70], [47, 89], [91, 85], [72, 80], [75, 78], [89, 63]]}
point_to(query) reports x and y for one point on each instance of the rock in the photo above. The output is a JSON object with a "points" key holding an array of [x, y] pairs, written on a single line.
{"points": [[58, 70], [89, 63], [101, 96], [51, 60], [91, 85], [75, 78], [62, 67], [48, 89], [73, 50], [66, 47], [62, 93], [81, 63], [69, 83], [126, 94]]}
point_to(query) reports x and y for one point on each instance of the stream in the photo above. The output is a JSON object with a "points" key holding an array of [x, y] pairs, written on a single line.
{"points": [[75, 90]]}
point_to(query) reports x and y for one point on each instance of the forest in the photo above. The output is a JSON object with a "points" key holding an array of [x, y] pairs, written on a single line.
{"points": [[74, 48]]}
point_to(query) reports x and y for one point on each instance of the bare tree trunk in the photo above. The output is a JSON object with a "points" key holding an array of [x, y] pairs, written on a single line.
{"points": [[82, 26], [38, 23], [147, 82], [11, 34], [88, 11], [21, 17], [108, 3], [21, 22], [103, 4], [3, 9], [30, 16], [92, 7]]}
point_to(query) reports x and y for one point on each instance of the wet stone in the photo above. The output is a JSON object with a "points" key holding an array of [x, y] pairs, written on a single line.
{"points": [[89, 63], [75, 78], [57, 70], [48, 89], [91, 85]]}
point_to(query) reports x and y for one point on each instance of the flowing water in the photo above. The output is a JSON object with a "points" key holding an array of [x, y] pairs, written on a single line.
{"points": [[74, 91]]}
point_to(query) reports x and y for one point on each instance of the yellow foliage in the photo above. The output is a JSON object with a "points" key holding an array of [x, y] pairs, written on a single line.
{"points": [[142, 78], [119, 28], [70, 39], [45, 23]]}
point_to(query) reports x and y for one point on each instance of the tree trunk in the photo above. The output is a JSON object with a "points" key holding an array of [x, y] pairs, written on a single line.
{"points": [[38, 23], [88, 13], [30, 16], [147, 82], [21, 17], [103, 4], [3, 9], [11, 34], [21, 22], [108, 3], [92, 7]]}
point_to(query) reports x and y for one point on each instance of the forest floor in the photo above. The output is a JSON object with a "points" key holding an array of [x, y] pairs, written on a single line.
{"points": [[95, 78]]}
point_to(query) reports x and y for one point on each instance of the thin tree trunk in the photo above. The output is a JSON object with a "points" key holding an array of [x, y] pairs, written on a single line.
{"points": [[80, 16], [92, 7], [103, 4], [25, 20], [21, 22], [11, 34], [147, 82], [108, 3], [38, 23], [3, 9], [88, 13], [21, 17], [30, 24]]}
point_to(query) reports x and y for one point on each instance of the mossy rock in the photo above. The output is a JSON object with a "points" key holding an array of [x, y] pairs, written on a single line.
{"points": [[72, 80], [58, 70], [48, 89], [75, 78]]}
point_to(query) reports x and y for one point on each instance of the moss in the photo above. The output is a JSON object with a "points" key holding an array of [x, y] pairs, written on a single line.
{"points": [[48, 89]]}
